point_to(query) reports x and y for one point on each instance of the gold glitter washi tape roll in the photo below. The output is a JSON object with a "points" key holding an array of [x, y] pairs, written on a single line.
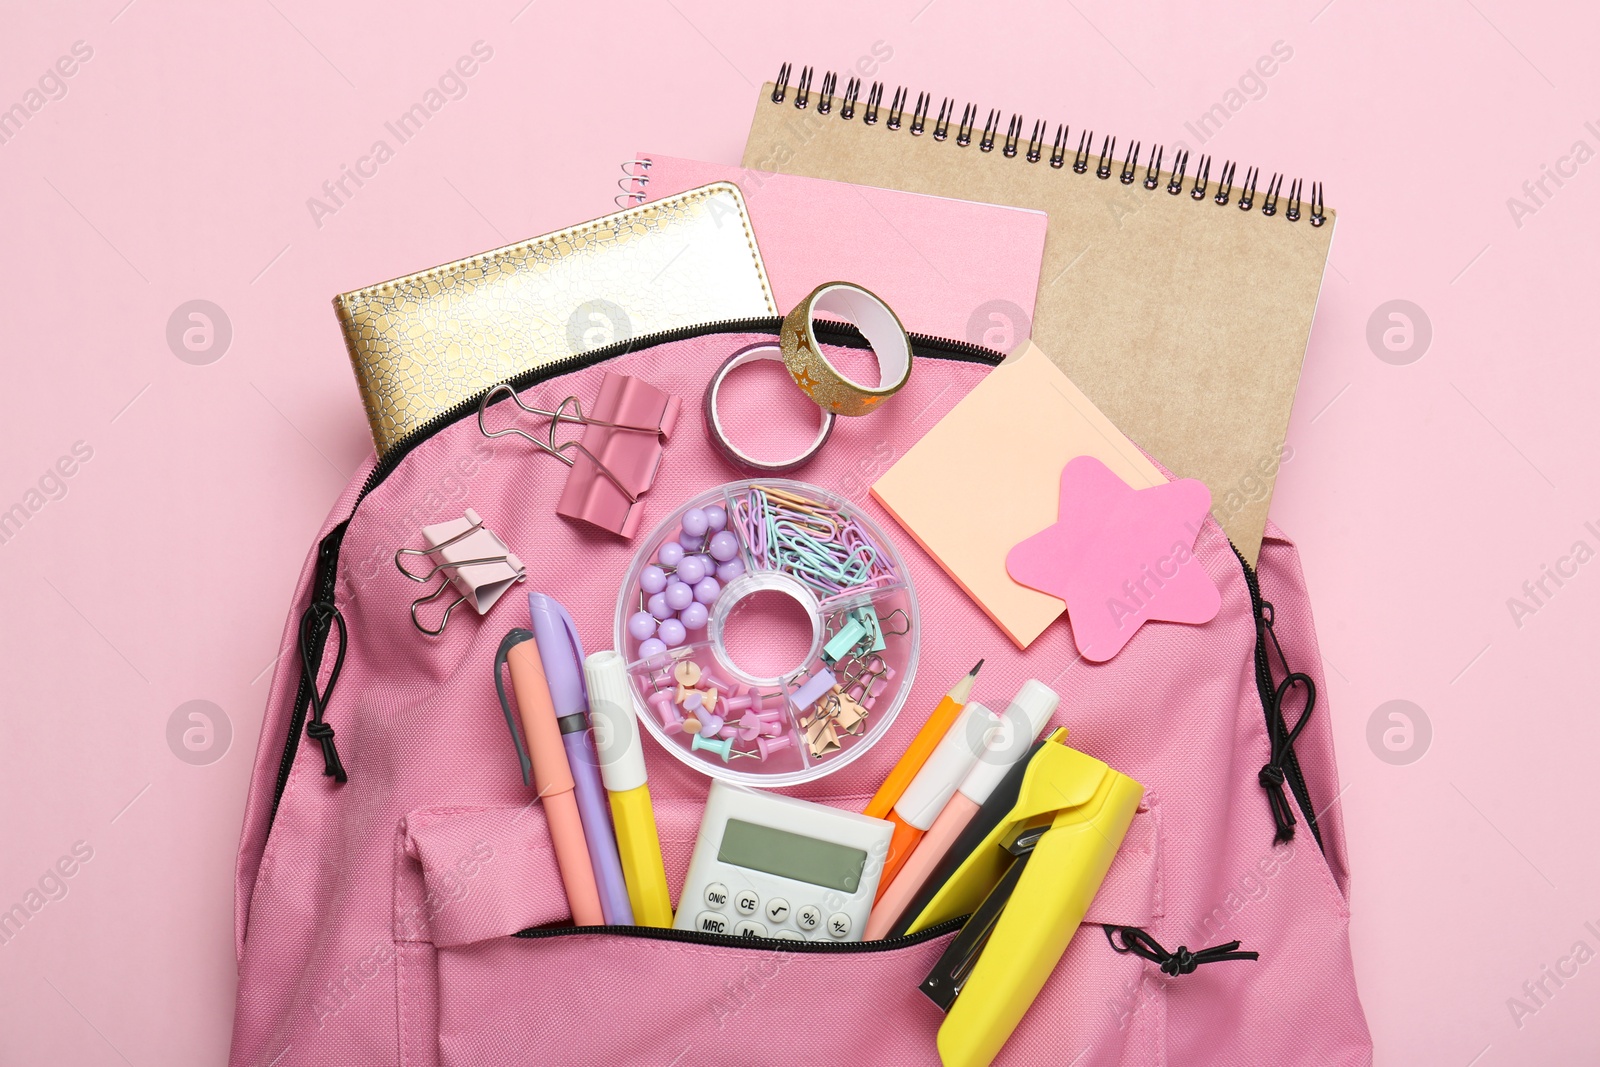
{"points": [[817, 376]]}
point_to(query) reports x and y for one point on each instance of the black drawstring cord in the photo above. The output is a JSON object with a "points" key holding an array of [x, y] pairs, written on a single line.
{"points": [[317, 615], [1182, 961], [1280, 735]]}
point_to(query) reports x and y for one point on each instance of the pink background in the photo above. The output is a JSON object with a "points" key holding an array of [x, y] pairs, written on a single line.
{"points": [[178, 165]]}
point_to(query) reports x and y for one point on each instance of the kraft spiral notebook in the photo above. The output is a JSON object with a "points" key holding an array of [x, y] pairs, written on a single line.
{"points": [[1183, 317], [944, 265]]}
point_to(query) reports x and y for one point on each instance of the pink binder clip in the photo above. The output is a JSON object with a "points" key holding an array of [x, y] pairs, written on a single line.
{"points": [[472, 559], [615, 458]]}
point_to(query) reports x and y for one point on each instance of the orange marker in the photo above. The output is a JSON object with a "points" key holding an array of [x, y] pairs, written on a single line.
{"points": [[916, 753]]}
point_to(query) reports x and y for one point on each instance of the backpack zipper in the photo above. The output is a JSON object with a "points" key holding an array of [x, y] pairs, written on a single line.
{"points": [[696, 937], [325, 578], [1295, 777], [830, 332], [322, 584]]}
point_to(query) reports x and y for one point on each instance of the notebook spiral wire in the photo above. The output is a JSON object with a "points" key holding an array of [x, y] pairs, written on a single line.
{"points": [[1229, 187]]}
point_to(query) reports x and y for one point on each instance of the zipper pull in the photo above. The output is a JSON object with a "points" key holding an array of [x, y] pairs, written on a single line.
{"points": [[315, 624], [331, 766], [1273, 777]]}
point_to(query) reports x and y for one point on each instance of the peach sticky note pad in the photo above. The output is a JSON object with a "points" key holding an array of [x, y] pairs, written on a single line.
{"points": [[988, 476]]}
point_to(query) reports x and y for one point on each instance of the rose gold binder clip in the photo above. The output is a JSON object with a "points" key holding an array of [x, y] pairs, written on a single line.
{"points": [[615, 459], [471, 558]]}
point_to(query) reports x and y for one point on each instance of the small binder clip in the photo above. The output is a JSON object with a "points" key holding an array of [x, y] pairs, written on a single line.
{"points": [[614, 461], [471, 558]]}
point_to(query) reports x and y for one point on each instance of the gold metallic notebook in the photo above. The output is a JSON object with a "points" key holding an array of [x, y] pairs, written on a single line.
{"points": [[424, 343]]}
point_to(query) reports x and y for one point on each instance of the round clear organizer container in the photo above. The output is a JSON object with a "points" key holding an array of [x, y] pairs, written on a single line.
{"points": [[789, 648]]}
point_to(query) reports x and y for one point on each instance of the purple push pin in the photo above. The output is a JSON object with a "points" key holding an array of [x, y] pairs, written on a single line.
{"points": [[691, 570], [678, 596], [652, 579]]}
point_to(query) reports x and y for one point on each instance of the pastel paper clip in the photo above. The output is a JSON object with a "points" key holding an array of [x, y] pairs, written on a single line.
{"points": [[615, 459], [471, 558]]}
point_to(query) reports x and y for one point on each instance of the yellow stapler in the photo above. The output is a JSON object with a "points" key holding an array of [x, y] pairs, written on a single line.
{"points": [[1026, 885]]}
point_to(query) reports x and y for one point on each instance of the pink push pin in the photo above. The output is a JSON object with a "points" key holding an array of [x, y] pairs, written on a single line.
{"points": [[768, 745], [729, 730], [772, 727], [750, 726], [661, 701]]}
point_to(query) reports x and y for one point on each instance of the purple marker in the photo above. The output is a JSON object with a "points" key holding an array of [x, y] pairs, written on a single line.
{"points": [[561, 654]]}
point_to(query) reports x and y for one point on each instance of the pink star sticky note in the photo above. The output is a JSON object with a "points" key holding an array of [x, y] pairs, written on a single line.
{"points": [[1119, 556]]}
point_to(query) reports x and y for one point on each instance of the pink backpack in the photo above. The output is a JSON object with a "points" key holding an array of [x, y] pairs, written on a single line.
{"points": [[408, 915]]}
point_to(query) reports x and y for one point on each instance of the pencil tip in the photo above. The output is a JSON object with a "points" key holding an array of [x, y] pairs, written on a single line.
{"points": [[974, 671]]}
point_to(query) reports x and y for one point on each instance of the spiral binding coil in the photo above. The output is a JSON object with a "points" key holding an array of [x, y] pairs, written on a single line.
{"points": [[1104, 161], [633, 182]]}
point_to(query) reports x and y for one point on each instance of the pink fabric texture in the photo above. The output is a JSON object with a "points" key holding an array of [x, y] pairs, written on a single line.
{"points": [[374, 917]]}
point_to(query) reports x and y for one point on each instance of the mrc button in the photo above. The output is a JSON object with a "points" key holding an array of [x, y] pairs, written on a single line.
{"points": [[709, 922]]}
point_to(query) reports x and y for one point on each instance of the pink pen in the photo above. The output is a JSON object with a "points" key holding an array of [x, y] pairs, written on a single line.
{"points": [[1024, 720]]}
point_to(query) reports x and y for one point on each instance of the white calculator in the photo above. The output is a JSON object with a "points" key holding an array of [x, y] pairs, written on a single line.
{"points": [[771, 866]]}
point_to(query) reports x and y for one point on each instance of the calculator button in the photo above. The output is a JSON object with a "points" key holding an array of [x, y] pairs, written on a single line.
{"points": [[777, 909], [750, 928], [788, 935], [838, 925], [709, 922], [717, 895], [808, 917], [746, 901]]}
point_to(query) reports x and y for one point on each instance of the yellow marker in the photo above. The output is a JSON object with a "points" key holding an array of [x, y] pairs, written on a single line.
{"points": [[640, 847], [616, 736]]}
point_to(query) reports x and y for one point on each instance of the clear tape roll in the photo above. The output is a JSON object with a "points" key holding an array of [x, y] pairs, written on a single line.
{"points": [[718, 436]]}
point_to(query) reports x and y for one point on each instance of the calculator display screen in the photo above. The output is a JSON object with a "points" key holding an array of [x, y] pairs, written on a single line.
{"points": [[790, 855]]}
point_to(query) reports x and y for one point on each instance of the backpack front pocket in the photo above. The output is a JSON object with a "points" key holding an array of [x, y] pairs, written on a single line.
{"points": [[479, 901]]}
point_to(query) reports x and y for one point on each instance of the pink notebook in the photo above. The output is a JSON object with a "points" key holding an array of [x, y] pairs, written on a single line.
{"points": [[949, 268]]}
